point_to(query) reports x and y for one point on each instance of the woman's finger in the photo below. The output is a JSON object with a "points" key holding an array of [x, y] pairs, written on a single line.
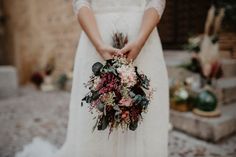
{"points": [[114, 51], [124, 50]]}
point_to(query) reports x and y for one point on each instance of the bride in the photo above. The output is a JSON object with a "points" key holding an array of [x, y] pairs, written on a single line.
{"points": [[138, 19]]}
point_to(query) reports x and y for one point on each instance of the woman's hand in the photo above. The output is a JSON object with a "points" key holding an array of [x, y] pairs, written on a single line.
{"points": [[107, 52], [131, 50]]}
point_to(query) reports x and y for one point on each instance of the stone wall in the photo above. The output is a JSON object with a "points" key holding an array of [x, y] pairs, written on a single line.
{"points": [[37, 30]]}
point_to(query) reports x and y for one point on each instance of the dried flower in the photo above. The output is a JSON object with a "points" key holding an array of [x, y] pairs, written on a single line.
{"points": [[118, 93]]}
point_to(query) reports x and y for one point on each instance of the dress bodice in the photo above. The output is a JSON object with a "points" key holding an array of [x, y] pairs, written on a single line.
{"points": [[159, 5], [117, 3]]}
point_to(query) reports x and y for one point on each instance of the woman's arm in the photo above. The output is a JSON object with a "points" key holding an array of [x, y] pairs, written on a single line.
{"points": [[88, 23], [150, 21], [151, 18]]}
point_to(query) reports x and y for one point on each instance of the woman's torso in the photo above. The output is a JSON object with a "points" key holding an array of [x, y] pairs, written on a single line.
{"points": [[117, 5]]}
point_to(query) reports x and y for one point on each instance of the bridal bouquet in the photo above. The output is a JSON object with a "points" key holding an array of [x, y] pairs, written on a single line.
{"points": [[118, 93]]}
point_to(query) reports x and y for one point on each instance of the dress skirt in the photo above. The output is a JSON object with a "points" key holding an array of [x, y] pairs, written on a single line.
{"points": [[150, 139]]}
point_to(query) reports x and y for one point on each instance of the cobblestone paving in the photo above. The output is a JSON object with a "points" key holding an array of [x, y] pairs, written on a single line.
{"points": [[44, 114]]}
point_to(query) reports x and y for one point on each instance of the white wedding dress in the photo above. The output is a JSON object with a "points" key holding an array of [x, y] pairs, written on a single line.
{"points": [[151, 137]]}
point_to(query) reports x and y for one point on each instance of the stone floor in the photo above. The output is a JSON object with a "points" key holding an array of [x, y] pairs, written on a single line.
{"points": [[34, 113]]}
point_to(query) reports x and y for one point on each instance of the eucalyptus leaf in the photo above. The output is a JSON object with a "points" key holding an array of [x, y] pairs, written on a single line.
{"points": [[96, 68], [88, 99], [138, 99], [103, 123], [100, 107], [95, 95], [144, 102], [133, 126]]}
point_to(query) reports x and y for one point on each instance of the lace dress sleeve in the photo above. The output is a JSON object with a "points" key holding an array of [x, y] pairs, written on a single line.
{"points": [[159, 5], [78, 4]]}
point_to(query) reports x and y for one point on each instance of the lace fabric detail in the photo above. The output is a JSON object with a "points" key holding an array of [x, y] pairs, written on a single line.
{"points": [[159, 5], [78, 4], [111, 5]]}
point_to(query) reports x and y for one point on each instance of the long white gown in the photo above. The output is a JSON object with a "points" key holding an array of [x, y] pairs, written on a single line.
{"points": [[151, 137]]}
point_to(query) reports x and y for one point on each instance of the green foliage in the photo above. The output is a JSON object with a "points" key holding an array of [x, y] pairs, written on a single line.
{"points": [[133, 126], [96, 68], [102, 125]]}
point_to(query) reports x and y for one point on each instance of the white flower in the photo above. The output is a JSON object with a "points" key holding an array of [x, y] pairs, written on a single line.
{"points": [[127, 75]]}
